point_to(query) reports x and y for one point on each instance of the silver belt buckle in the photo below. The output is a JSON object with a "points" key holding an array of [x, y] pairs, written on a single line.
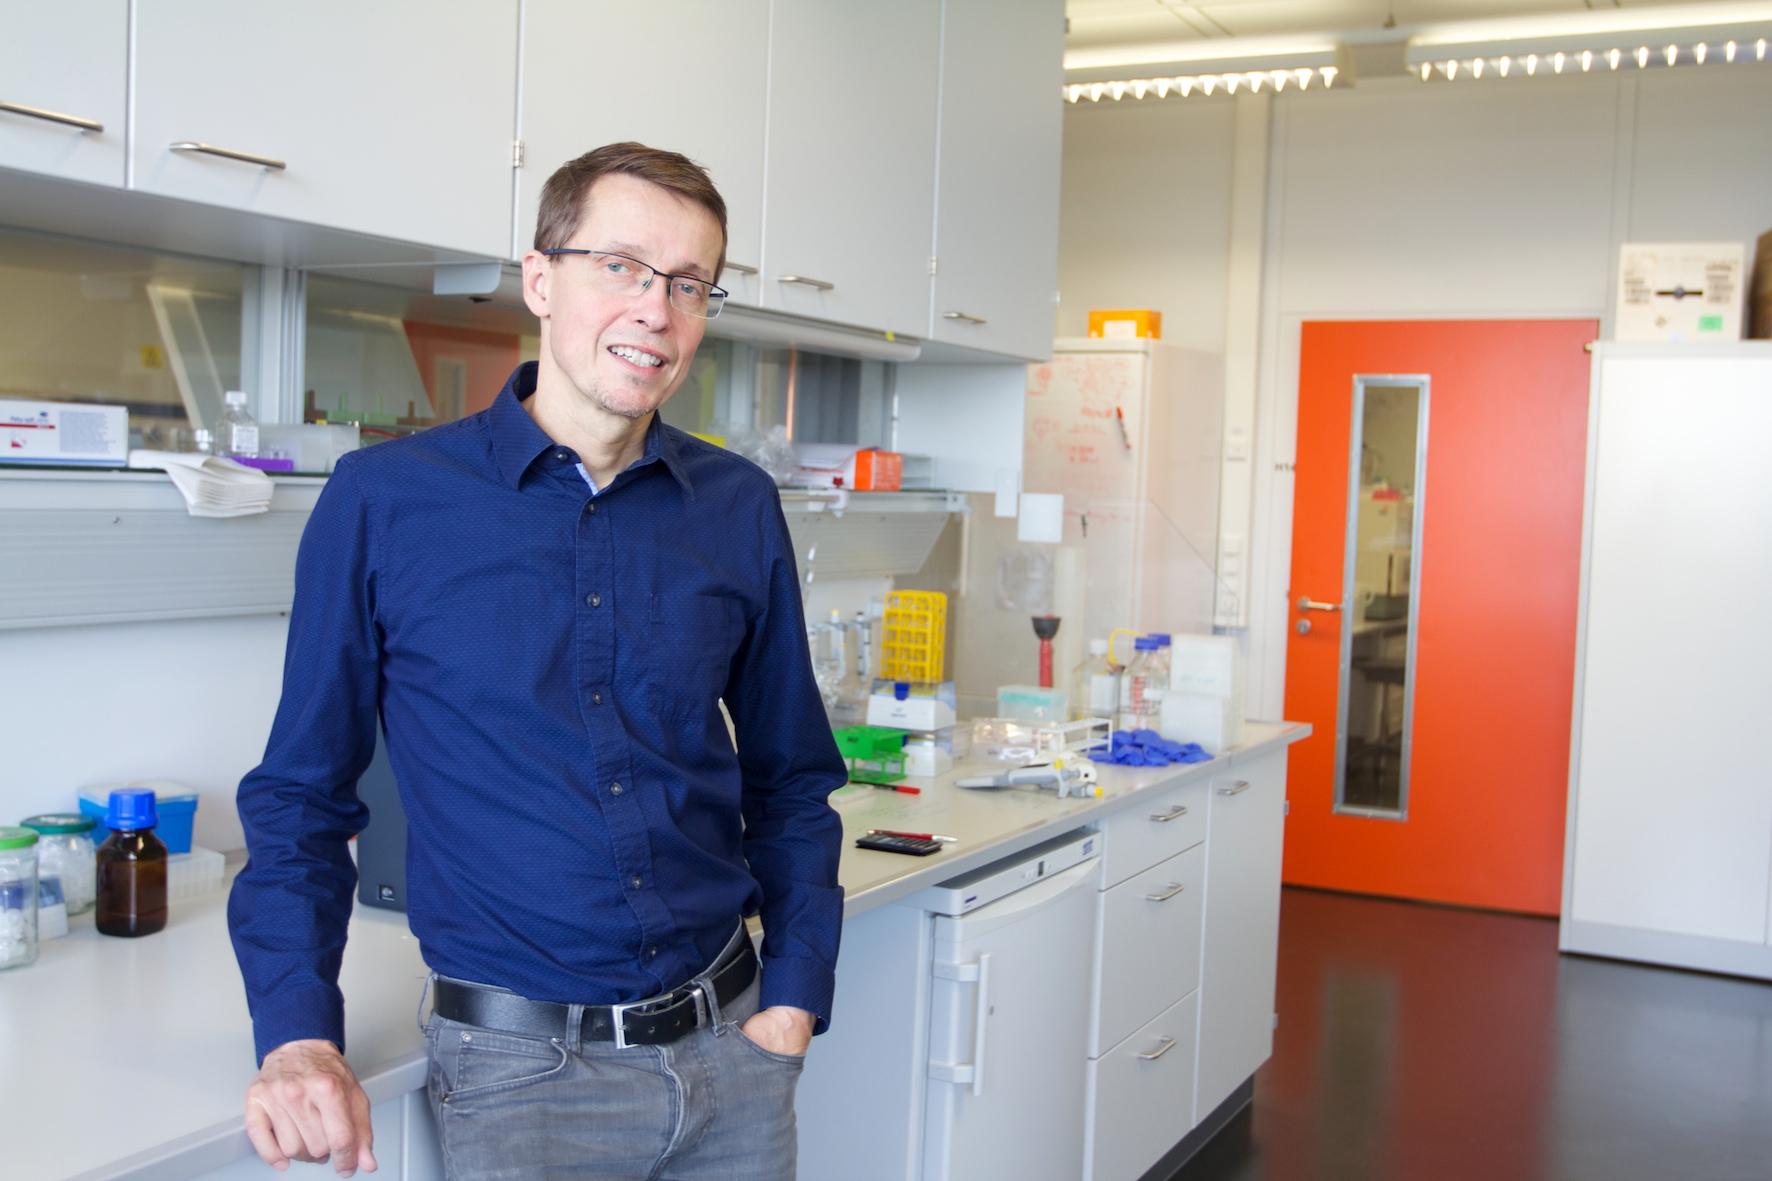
{"points": [[618, 1012]]}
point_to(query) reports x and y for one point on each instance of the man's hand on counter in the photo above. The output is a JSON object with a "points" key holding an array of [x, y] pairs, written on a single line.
{"points": [[306, 1105], [780, 1030]]}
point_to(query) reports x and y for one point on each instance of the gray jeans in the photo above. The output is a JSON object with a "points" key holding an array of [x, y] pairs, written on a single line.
{"points": [[712, 1104]]}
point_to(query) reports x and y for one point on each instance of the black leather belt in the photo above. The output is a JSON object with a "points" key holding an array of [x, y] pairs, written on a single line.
{"points": [[655, 1021]]}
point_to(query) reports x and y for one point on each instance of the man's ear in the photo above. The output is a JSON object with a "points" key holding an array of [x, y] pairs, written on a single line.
{"points": [[538, 277]]}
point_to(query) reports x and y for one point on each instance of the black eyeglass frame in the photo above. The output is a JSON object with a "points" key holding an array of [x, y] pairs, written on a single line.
{"points": [[715, 293]]}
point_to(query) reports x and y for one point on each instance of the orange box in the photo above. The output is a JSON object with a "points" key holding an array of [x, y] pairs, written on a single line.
{"points": [[874, 471], [1126, 324]]}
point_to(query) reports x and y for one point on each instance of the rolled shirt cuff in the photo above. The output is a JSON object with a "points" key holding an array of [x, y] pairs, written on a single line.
{"points": [[284, 1017], [800, 984]]}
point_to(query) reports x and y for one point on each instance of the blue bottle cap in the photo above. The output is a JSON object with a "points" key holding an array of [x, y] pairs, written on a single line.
{"points": [[901, 690], [1145, 644], [131, 810], [1162, 639]]}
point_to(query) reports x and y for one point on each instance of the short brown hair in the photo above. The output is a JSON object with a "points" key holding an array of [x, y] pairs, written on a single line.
{"points": [[563, 197]]}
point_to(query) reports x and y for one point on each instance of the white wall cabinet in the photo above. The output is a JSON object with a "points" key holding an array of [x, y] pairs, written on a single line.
{"points": [[1240, 948], [68, 58], [850, 171], [394, 119], [1002, 129], [589, 80]]}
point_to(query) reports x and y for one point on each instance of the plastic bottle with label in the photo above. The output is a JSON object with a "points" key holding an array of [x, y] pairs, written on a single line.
{"points": [[1143, 685], [236, 434], [131, 867], [1095, 686]]}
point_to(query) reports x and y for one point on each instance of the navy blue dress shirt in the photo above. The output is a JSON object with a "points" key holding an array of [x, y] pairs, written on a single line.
{"points": [[548, 666]]}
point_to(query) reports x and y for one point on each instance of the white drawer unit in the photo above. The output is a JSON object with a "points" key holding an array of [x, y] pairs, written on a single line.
{"points": [[1149, 945], [1141, 1093], [1154, 831], [64, 73]]}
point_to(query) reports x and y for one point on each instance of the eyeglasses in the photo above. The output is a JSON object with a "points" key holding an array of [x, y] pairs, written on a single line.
{"points": [[618, 274]]}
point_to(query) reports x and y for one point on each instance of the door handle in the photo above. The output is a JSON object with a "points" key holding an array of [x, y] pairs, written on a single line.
{"points": [[805, 282], [1174, 889], [963, 316], [270, 162], [968, 1072], [52, 116], [1240, 785], [1171, 814], [1306, 603], [1168, 1045]]}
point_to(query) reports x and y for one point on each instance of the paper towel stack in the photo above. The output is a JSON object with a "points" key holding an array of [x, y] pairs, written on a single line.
{"points": [[212, 486], [1205, 699]]}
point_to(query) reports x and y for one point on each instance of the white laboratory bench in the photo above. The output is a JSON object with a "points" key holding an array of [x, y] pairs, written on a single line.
{"points": [[129, 1059]]}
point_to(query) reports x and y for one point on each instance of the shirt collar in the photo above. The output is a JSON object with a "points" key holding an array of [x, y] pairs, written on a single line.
{"points": [[517, 440]]}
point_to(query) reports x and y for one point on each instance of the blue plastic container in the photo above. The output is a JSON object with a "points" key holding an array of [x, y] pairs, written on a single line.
{"points": [[176, 804]]}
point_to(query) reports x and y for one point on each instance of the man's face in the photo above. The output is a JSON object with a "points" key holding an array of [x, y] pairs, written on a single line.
{"points": [[626, 353]]}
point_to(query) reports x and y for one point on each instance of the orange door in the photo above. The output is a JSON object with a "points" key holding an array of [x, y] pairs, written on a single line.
{"points": [[1433, 605]]}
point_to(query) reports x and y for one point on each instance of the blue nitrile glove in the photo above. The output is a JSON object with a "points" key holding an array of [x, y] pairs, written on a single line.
{"points": [[1147, 748]]}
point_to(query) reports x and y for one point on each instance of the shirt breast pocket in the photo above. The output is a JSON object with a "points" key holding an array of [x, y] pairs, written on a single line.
{"points": [[693, 640]]}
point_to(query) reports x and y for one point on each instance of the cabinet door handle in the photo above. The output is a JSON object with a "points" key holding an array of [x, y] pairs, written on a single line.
{"points": [[1174, 889], [52, 116], [805, 282], [978, 1021], [1171, 814], [740, 268], [1233, 788], [1168, 1045], [270, 162], [963, 316]]}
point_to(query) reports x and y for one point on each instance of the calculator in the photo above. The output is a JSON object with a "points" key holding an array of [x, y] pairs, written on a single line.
{"points": [[911, 846]]}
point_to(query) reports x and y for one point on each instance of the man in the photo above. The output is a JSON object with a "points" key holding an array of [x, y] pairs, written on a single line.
{"points": [[545, 604]]}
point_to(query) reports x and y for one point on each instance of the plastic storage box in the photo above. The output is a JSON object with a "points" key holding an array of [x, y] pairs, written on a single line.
{"points": [[176, 804]]}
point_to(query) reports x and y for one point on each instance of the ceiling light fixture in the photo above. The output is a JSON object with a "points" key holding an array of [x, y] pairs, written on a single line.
{"points": [[1186, 67], [1683, 33]]}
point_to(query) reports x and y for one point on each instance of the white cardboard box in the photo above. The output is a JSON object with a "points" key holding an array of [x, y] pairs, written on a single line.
{"points": [[1680, 291], [79, 433]]}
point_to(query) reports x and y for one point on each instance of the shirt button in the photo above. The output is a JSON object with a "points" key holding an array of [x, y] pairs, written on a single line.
{"points": [[596, 699], [615, 789], [635, 883], [594, 600], [591, 507], [652, 953], [561, 456]]}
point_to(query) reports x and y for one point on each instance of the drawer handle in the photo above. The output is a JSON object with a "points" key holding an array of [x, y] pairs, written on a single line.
{"points": [[1233, 789], [1168, 1045], [963, 316], [52, 116], [1174, 889], [270, 162], [805, 282], [740, 268], [1171, 814]]}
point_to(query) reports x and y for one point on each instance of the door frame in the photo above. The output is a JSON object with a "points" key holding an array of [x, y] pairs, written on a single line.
{"points": [[1349, 555]]}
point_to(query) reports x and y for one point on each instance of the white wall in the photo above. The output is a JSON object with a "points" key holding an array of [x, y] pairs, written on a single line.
{"points": [[1399, 200], [969, 417], [189, 700]]}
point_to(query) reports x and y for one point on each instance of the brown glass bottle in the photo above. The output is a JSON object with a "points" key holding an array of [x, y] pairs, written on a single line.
{"points": [[131, 884]]}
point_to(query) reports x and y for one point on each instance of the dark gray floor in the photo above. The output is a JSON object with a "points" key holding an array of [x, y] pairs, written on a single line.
{"points": [[1420, 1042]]}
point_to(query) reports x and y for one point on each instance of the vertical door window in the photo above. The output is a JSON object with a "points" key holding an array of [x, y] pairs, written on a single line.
{"points": [[1378, 595]]}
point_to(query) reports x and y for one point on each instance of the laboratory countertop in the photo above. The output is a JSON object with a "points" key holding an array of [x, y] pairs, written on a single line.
{"points": [[129, 1059]]}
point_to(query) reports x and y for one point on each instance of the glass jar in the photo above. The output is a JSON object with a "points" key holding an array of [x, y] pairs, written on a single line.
{"points": [[65, 850], [18, 897]]}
